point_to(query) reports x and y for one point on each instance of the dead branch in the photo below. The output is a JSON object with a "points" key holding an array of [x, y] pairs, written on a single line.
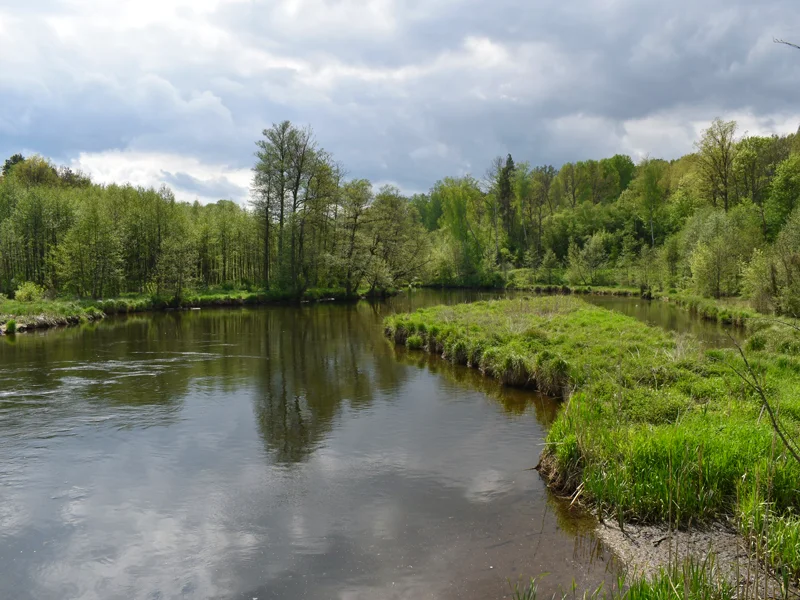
{"points": [[785, 43], [750, 377]]}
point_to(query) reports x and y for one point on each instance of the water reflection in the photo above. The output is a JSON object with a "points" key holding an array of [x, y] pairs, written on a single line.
{"points": [[271, 453], [314, 360], [513, 400]]}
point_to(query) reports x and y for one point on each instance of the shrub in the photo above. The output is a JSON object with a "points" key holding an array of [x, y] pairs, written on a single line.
{"points": [[29, 292], [11, 327], [414, 342]]}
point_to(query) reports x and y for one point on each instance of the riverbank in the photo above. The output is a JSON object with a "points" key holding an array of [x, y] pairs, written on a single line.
{"points": [[17, 317], [655, 430]]}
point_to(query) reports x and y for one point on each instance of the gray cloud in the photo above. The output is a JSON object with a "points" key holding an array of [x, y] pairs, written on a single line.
{"points": [[399, 91]]}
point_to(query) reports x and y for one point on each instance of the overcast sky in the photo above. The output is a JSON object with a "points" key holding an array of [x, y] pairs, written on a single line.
{"points": [[404, 92]]}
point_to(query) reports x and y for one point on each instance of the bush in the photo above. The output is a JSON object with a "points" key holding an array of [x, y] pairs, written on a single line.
{"points": [[414, 342], [29, 292], [11, 327]]}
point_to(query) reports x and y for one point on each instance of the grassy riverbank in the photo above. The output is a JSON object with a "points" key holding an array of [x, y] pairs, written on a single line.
{"points": [[725, 311], [655, 429], [67, 311]]}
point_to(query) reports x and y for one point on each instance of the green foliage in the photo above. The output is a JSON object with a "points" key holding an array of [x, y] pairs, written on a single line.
{"points": [[587, 265], [548, 267], [785, 195], [724, 242], [702, 218], [11, 327], [306, 228], [771, 280], [11, 162], [716, 152], [652, 187], [625, 169], [33, 171], [29, 292], [89, 261], [415, 342], [467, 253], [429, 207]]}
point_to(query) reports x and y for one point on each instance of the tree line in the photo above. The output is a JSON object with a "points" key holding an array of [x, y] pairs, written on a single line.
{"points": [[306, 227], [720, 221]]}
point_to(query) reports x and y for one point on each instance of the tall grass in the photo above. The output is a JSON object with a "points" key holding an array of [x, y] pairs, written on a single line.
{"points": [[682, 580]]}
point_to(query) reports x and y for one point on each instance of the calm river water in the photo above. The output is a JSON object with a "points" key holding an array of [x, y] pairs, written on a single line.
{"points": [[275, 452]]}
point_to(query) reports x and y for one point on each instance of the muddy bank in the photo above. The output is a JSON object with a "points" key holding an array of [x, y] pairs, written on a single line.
{"points": [[646, 549]]}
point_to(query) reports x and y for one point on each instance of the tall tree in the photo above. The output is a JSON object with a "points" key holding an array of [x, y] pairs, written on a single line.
{"points": [[652, 186], [716, 152], [9, 163], [505, 196], [399, 248], [625, 169], [356, 199], [784, 195], [757, 159], [571, 180], [543, 178]]}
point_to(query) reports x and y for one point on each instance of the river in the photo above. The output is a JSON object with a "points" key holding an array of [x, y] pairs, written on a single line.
{"points": [[274, 452]]}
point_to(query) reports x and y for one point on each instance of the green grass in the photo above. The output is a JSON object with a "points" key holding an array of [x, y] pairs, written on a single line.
{"points": [[655, 429], [690, 579], [45, 313]]}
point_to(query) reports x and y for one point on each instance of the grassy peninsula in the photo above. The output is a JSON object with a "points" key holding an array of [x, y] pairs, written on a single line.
{"points": [[654, 429]]}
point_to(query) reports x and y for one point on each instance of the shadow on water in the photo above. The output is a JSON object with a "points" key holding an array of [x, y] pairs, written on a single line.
{"points": [[273, 452], [513, 400]]}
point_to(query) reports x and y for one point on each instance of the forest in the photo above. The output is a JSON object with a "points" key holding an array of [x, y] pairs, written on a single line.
{"points": [[722, 221]]}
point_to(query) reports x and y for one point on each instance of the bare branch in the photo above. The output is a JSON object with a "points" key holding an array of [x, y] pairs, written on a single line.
{"points": [[785, 43]]}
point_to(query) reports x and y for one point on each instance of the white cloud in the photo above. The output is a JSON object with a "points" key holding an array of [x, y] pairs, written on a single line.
{"points": [[673, 133], [151, 169]]}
